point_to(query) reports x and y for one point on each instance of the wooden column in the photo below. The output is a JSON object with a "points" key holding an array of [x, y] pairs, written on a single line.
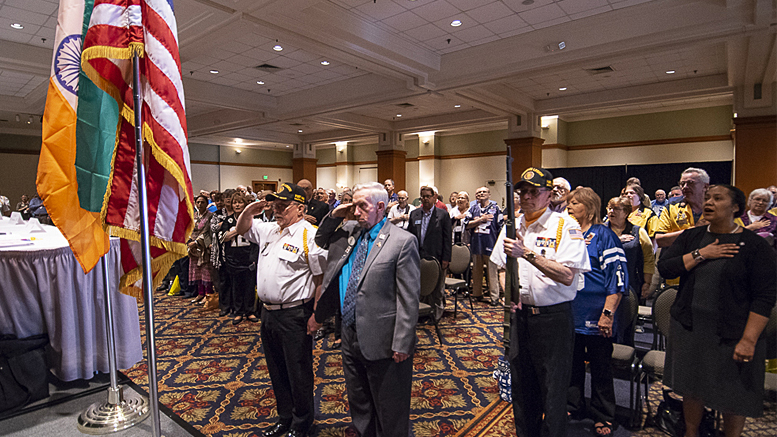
{"points": [[304, 168], [391, 165], [755, 159], [527, 152]]}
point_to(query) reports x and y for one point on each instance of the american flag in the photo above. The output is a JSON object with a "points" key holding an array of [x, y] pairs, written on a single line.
{"points": [[118, 30]]}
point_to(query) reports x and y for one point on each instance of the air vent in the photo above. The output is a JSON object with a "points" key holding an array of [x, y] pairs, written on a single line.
{"points": [[268, 68], [405, 105], [600, 70]]}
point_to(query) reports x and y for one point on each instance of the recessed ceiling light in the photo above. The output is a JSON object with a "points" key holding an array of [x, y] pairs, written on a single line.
{"points": [[456, 23], [277, 48], [260, 82], [324, 62], [17, 26], [288, 146], [669, 71], [457, 106], [399, 115], [563, 88], [214, 72], [299, 131]]}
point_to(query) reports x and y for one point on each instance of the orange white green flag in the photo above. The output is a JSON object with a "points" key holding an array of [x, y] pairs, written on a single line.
{"points": [[57, 180]]}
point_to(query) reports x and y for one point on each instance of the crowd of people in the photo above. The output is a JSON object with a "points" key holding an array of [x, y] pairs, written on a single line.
{"points": [[309, 262], [301, 257]]}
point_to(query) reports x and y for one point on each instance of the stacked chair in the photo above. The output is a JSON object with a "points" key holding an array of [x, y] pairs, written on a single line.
{"points": [[624, 358], [652, 364], [431, 274], [460, 261]]}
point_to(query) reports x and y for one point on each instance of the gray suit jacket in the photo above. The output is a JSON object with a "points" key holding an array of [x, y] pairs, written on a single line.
{"points": [[389, 288]]}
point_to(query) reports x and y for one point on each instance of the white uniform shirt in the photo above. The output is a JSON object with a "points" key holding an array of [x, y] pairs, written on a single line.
{"points": [[284, 274], [395, 212], [536, 288]]}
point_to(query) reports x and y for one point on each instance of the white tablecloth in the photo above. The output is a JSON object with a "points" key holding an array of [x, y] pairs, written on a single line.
{"points": [[44, 290]]}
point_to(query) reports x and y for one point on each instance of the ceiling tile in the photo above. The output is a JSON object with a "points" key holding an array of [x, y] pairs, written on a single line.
{"points": [[442, 43], [23, 16], [518, 6], [515, 32], [405, 21], [506, 24], [47, 8], [466, 5], [473, 33], [591, 12], [436, 10], [550, 23], [380, 10], [490, 12], [425, 32], [578, 6], [627, 3], [542, 14]]}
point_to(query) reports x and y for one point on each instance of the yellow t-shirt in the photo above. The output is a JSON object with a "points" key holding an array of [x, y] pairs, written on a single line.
{"points": [[646, 219], [675, 217]]}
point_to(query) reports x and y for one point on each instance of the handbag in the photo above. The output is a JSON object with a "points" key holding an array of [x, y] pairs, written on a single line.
{"points": [[670, 418], [23, 371]]}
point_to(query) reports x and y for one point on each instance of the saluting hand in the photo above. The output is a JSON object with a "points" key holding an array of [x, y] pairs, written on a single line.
{"points": [[344, 210]]}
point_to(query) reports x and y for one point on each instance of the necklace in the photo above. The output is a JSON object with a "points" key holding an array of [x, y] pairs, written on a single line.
{"points": [[736, 228]]}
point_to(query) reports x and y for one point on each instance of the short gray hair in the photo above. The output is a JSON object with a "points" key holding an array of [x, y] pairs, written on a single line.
{"points": [[703, 176], [761, 192], [376, 192]]}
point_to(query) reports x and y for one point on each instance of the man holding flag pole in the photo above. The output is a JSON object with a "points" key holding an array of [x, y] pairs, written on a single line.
{"points": [[115, 95]]}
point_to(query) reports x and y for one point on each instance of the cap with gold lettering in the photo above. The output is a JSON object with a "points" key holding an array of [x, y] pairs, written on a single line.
{"points": [[536, 177], [289, 192]]}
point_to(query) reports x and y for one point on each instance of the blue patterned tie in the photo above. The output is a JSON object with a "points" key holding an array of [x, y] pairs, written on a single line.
{"points": [[349, 303]]}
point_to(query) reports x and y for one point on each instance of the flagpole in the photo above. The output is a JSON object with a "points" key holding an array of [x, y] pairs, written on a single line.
{"points": [[148, 290], [118, 412]]}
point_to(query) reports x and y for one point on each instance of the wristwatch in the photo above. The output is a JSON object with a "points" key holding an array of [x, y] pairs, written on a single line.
{"points": [[607, 312], [697, 256], [529, 256]]}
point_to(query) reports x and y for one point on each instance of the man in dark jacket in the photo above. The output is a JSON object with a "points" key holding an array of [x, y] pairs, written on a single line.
{"points": [[316, 209], [432, 228]]}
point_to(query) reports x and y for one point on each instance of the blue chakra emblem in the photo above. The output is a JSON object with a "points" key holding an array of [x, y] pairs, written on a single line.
{"points": [[67, 62]]}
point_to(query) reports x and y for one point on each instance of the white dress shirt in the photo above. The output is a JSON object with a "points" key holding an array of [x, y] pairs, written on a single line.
{"points": [[284, 273], [540, 237]]}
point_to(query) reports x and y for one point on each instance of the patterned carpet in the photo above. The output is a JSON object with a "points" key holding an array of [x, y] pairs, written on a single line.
{"points": [[213, 375]]}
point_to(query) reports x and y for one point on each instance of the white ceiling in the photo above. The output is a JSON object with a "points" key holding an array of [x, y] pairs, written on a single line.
{"points": [[386, 54]]}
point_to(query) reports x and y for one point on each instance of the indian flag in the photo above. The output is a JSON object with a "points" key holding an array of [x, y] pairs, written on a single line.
{"points": [[70, 175]]}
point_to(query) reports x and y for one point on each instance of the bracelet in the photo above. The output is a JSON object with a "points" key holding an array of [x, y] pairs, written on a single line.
{"points": [[697, 256]]}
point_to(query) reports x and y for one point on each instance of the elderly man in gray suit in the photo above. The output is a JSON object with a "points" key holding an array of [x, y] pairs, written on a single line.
{"points": [[374, 276]]}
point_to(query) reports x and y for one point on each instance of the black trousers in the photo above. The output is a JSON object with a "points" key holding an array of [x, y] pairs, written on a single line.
{"points": [[243, 295], [378, 391], [597, 350], [289, 353], [541, 370], [225, 289]]}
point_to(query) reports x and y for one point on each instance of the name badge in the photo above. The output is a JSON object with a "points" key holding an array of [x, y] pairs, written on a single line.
{"points": [[418, 222], [458, 228]]}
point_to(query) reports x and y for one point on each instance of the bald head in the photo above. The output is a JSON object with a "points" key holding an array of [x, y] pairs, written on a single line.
{"points": [[307, 186]]}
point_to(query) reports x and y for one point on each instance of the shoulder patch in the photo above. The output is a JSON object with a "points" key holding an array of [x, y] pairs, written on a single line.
{"points": [[575, 234]]}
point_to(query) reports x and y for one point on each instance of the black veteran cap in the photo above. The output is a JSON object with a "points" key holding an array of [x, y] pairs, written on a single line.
{"points": [[537, 177], [288, 192]]}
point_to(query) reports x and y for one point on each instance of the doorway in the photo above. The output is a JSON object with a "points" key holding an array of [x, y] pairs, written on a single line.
{"points": [[260, 186]]}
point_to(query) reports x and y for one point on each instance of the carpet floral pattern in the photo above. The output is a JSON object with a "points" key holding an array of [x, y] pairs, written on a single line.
{"points": [[213, 375]]}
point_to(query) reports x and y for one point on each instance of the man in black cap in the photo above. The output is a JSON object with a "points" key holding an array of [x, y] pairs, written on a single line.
{"points": [[551, 257], [291, 270]]}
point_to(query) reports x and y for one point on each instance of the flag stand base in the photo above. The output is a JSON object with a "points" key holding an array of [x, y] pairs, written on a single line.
{"points": [[115, 415]]}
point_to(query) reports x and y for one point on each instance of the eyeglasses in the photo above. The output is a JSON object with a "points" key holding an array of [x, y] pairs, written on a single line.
{"points": [[481, 192], [532, 192], [280, 207], [688, 183]]}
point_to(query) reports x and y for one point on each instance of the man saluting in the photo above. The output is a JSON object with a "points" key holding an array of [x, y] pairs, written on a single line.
{"points": [[291, 266], [374, 276]]}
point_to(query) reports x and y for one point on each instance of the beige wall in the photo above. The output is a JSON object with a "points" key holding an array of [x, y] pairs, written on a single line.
{"points": [[657, 154], [17, 176], [327, 177], [468, 174]]}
